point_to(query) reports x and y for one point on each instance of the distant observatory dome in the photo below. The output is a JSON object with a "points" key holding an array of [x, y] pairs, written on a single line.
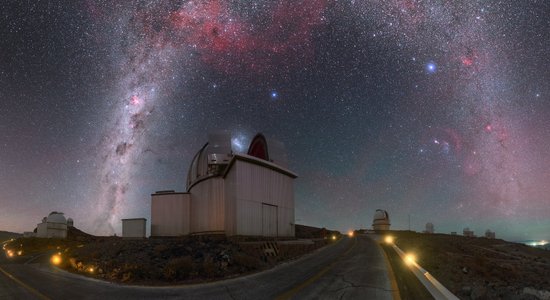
{"points": [[56, 217], [381, 220], [70, 222]]}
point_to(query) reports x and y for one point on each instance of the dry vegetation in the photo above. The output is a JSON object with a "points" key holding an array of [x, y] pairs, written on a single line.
{"points": [[480, 268], [169, 261]]}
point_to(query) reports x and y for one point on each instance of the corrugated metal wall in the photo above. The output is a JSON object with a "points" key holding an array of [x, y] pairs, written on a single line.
{"points": [[207, 205], [170, 214], [230, 187], [253, 185], [133, 228]]}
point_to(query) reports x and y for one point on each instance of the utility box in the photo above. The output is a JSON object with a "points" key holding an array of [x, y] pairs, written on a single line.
{"points": [[134, 228]]}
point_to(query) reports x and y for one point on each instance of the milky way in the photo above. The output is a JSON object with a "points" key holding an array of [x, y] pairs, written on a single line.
{"points": [[429, 109]]}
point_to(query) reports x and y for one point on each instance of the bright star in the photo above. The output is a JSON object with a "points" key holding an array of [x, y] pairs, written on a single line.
{"points": [[274, 95], [431, 67]]}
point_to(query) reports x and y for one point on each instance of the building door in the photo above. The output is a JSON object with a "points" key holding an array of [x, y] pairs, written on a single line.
{"points": [[269, 220]]}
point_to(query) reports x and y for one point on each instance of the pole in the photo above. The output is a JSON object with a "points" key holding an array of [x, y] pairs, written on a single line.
{"points": [[409, 222]]}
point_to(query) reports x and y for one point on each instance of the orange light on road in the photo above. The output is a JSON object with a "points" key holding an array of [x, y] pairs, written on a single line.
{"points": [[410, 259], [388, 239], [350, 233], [10, 253], [20, 252], [333, 237], [56, 259], [91, 270]]}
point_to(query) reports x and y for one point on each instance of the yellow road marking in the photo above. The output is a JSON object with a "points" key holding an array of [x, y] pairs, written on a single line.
{"points": [[24, 285], [288, 294], [393, 282]]}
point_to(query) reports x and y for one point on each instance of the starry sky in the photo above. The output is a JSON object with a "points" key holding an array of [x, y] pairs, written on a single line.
{"points": [[437, 110]]}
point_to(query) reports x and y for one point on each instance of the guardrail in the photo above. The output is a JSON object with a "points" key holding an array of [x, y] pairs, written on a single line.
{"points": [[433, 286]]}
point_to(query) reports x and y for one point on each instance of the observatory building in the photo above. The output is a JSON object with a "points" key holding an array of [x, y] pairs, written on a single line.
{"points": [[429, 228], [230, 193], [490, 234], [53, 226], [381, 220], [467, 232]]}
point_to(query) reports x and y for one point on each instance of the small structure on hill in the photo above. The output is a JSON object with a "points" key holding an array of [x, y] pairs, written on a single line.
{"points": [[489, 234], [134, 228], [453, 233], [467, 232], [381, 220], [429, 228], [52, 226]]}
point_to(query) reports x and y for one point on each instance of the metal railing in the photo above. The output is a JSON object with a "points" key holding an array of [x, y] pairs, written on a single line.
{"points": [[433, 286]]}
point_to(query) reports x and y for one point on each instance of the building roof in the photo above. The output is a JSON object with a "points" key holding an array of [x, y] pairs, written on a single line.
{"points": [[381, 217], [217, 156], [56, 217]]}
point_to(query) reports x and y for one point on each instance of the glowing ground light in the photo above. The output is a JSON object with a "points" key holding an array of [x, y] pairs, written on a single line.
{"points": [[538, 243], [20, 252], [10, 253], [350, 233], [388, 239], [410, 259], [91, 270], [333, 237], [56, 259]]}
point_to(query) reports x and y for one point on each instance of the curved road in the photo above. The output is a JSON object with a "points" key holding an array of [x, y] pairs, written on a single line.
{"points": [[350, 269]]}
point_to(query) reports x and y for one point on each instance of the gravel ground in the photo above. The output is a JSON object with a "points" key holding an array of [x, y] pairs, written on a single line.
{"points": [[480, 268]]}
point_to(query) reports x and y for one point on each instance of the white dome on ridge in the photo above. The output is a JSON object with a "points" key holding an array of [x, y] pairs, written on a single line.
{"points": [[56, 217]]}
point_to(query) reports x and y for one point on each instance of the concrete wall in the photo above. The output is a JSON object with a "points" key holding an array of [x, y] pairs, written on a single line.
{"points": [[42, 230], [170, 214], [51, 230], [250, 187], [57, 230], [133, 228], [207, 206]]}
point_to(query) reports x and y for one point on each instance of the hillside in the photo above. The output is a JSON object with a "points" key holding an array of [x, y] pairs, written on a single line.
{"points": [[6, 235], [480, 268], [167, 261]]}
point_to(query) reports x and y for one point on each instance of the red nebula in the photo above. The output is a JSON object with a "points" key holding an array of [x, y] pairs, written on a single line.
{"points": [[233, 45], [472, 165], [467, 61], [469, 58], [135, 100]]}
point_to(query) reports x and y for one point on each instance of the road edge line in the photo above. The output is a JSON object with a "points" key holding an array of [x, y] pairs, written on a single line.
{"points": [[24, 285], [393, 282]]}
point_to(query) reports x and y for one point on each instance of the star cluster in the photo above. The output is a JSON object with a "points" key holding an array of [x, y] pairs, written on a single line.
{"points": [[429, 109]]}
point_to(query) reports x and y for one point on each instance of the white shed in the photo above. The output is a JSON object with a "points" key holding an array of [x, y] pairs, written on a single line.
{"points": [[134, 228]]}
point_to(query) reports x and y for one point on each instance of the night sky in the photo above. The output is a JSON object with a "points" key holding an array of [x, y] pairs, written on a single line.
{"points": [[435, 109]]}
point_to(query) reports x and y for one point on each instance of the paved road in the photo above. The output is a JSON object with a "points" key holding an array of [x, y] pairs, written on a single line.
{"points": [[350, 269], [361, 273]]}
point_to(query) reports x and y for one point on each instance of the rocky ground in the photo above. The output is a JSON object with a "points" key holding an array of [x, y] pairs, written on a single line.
{"points": [[169, 261], [480, 268], [6, 235]]}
